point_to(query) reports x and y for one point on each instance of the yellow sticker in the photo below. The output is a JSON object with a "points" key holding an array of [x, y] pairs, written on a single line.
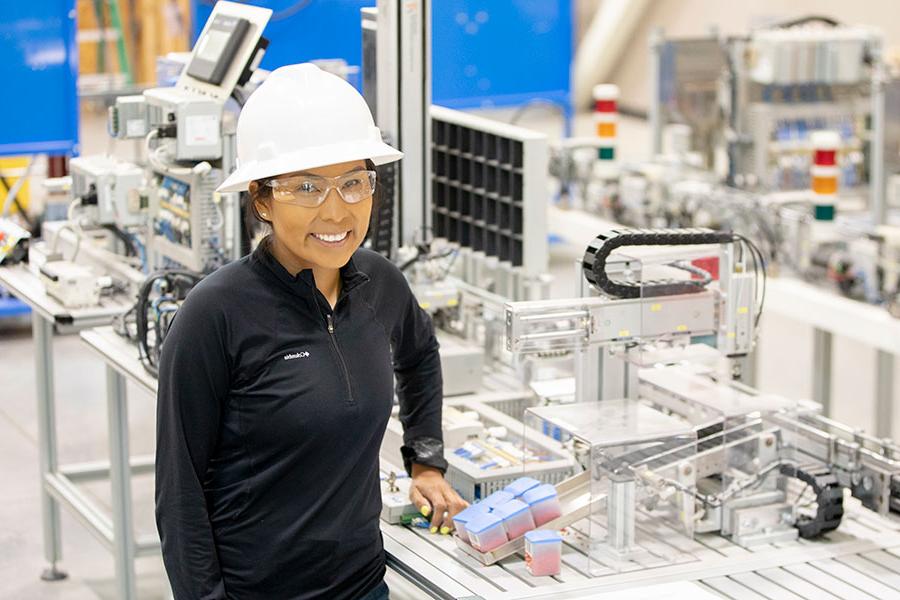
{"points": [[681, 328], [730, 335], [743, 310], [452, 302], [624, 333], [655, 307], [425, 305]]}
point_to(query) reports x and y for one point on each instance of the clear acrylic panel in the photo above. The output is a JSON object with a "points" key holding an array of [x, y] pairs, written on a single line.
{"points": [[636, 483]]}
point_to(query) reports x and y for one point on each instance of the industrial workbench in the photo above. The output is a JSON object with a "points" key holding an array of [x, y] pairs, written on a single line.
{"points": [[57, 481], [859, 560]]}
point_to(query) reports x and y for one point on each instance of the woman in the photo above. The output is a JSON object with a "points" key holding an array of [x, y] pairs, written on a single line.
{"points": [[276, 379]]}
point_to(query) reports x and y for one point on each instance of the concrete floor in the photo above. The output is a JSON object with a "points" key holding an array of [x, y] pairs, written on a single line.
{"points": [[81, 420]]}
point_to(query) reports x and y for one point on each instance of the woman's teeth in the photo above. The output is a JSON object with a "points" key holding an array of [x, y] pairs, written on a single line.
{"points": [[331, 238]]}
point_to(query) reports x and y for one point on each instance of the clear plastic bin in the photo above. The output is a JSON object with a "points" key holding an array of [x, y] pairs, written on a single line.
{"points": [[517, 519], [543, 552], [543, 502], [520, 486], [486, 532], [465, 516]]}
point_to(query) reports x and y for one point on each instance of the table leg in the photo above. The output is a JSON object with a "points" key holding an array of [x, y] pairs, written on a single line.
{"points": [[821, 372], [42, 332], [884, 392], [120, 478]]}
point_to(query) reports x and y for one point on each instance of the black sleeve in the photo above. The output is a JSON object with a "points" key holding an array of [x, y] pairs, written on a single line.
{"points": [[193, 385], [417, 367]]}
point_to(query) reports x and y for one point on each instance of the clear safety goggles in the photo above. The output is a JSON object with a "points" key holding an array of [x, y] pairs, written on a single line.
{"points": [[310, 191]]}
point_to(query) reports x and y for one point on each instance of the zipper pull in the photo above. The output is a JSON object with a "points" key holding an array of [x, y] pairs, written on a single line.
{"points": [[330, 323]]}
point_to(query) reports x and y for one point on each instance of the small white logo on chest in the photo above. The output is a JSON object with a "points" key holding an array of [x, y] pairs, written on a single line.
{"points": [[303, 354]]}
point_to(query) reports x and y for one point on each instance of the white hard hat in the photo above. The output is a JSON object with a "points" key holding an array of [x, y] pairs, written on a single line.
{"points": [[301, 118]]}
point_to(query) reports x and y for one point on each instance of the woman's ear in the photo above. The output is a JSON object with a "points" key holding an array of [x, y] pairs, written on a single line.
{"points": [[261, 205], [263, 209]]}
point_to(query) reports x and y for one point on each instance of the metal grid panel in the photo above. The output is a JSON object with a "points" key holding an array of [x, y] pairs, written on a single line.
{"points": [[489, 188]]}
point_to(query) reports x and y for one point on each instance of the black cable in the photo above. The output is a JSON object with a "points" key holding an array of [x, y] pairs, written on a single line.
{"points": [[130, 247], [807, 19], [171, 276], [593, 263], [705, 276], [759, 264], [413, 260]]}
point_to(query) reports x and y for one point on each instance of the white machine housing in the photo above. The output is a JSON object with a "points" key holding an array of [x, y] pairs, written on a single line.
{"points": [[115, 186]]}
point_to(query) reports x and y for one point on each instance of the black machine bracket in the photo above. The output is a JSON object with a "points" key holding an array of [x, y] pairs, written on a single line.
{"points": [[598, 251], [829, 498]]}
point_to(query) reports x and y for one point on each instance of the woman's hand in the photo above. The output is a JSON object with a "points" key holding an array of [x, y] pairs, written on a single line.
{"points": [[435, 498]]}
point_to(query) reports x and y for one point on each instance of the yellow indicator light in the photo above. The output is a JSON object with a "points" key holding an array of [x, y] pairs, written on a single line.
{"points": [[742, 310], [825, 185], [655, 307], [681, 328], [606, 130], [452, 302]]}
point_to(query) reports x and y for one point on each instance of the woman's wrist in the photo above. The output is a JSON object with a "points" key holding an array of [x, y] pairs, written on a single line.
{"points": [[426, 470]]}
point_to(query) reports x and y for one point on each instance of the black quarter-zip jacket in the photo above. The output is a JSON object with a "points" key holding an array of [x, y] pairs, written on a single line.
{"points": [[271, 412]]}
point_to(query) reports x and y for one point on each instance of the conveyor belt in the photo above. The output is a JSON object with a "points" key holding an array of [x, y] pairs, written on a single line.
{"points": [[861, 559]]}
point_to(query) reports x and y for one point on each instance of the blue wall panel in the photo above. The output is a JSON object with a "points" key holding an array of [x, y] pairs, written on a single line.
{"points": [[487, 52], [501, 53], [39, 70]]}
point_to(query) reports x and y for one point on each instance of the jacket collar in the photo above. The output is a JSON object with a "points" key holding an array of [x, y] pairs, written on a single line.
{"points": [[351, 276]]}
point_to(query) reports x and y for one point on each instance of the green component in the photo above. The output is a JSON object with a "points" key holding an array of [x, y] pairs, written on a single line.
{"points": [[606, 153], [824, 212], [414, 520]]}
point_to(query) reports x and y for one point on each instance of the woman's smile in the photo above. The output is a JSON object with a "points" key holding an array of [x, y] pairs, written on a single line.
{"points": [[332, 240]]}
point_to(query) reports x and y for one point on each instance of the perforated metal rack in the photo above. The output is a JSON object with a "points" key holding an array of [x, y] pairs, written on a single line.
{"points": [[489, 188]]}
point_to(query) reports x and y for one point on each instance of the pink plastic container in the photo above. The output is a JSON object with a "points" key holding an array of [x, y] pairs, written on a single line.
{"points": [[486, 532], [543, 552], [543, 502], [463, 517], [517, 519]]}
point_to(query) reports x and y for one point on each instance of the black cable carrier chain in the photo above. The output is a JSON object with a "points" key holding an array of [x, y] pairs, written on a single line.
{"points": [[597, 252], [829, 499]]}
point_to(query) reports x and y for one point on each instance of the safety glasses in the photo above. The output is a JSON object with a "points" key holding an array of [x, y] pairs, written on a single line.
{"points": [[310, 191]]}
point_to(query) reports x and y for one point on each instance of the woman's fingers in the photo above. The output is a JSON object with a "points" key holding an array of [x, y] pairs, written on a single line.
{"points": [[437, 501], [420, 501], [440, 507], [455, 505]]}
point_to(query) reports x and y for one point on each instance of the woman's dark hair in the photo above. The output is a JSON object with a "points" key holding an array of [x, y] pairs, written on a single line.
{"points": [[253, 220]]}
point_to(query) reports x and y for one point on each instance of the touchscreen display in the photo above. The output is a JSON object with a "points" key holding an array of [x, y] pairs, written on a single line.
{"points": [[212, 45]]}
